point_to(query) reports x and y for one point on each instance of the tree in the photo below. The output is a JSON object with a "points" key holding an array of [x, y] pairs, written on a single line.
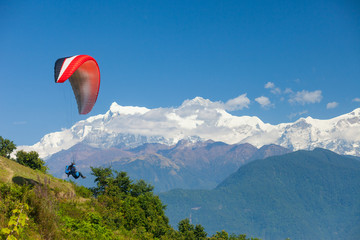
{"points": [[6, 147], [223, 235], [185, 226], [141, 187], [119, 185], [122, 182], [31, 160], [199, 232], [129, 205], [186, 229], [190, 232], [103, 177]]}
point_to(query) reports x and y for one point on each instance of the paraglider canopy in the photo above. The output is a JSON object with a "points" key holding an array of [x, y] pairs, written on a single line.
{"points": [[84, 75]]}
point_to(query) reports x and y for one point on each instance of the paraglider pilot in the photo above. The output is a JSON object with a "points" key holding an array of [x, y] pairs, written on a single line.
{"points": [[71, 170]]}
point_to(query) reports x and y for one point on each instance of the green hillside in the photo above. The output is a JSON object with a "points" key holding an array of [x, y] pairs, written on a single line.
{"points": [[13, 172], [300, 195], [34, 205]]}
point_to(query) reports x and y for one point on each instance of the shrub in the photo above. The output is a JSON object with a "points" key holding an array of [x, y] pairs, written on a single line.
{"points": [[81, 190], [31, 160]]}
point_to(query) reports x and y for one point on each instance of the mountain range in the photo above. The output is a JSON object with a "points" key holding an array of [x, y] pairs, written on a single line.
{"points": [[189, 165], [299, 195], [199, 120]]}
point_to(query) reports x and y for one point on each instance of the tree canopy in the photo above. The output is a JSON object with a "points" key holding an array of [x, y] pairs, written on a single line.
{"points": [[31, 160], [6, 147], [128, 203]]}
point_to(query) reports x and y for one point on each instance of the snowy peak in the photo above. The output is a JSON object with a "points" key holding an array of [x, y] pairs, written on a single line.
{"points": [[356, 112], [117, 109], [197, 102], [199, 120]]}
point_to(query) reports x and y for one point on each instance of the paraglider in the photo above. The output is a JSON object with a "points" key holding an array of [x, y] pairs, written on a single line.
{"points": [[84, 76], [71, 170]]}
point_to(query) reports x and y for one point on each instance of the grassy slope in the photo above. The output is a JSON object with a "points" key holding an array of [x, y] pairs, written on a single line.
{"points": [[12, 172], [15, 174]]}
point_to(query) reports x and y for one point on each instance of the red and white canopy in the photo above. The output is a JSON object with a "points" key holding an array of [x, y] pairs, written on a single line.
{"points": [[84, 75]]}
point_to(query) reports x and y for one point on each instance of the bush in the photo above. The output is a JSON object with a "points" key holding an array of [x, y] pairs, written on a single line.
{"points": [[31, 160], [82, 191], [89, 226]]}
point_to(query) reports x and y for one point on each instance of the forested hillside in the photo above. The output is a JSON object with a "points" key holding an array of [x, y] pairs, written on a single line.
{"points": [[301, 195]]}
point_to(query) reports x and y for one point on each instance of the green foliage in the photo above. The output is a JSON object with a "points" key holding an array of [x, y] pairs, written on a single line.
{"points": [[128, 204], [185, 226], [220, 235], [31, 159], [44, 208], [13, 210], [6, 147], [10, 197], [81, 190], [200, 232], [141, 187], [190, 232], [223, 235], [17, 222], [88, 227], [102, 176]]}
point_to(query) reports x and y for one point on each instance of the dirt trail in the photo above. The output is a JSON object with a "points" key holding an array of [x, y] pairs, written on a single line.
{"points": [[10, 175]]}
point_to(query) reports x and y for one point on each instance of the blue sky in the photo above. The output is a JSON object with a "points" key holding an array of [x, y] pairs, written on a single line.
{"points": [[291, 59]]}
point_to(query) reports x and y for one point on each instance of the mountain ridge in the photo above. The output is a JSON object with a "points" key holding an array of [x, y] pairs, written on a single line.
{"points": [[201, 120], [300, 195], [183, 165]]}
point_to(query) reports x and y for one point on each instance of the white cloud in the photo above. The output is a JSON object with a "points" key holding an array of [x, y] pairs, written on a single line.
{"points": [[274, 90], [306, 97], [288, 91], [263, 101], [188, 122], [356, 100], [331, 105], [269, 85], [237, 103]]}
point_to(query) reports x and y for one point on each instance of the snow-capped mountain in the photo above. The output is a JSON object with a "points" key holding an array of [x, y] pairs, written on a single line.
{"points": [[199, 120]]}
